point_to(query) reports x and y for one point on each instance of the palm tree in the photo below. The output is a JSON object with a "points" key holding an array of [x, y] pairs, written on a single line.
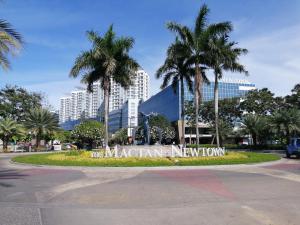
{"points": [[107, 60], [10, 42], [257, 126], [287, 121], [177, 69], [223, 56], [8, 129], [225, 130], [40, 122], [196, 42]]}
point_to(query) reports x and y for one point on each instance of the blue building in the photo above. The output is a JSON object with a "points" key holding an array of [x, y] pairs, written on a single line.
{"points": [[167, 102]]}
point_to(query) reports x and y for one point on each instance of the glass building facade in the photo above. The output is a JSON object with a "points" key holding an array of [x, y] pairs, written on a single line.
{"points": [[167, 102]]}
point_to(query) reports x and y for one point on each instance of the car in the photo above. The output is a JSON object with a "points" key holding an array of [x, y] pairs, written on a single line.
{"points": [[293, 148]]}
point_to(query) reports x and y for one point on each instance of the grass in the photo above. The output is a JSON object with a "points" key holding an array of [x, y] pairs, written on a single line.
{"points": [[84, 159]]}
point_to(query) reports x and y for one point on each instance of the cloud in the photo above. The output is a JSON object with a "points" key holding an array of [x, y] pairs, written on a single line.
{"points": [[273, 59]]}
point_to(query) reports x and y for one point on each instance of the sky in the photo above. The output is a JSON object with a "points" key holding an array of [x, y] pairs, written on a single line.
{"points": [[55, 34]]}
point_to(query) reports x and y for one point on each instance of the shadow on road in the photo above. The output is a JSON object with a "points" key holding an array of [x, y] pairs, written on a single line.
{"points": [[11, 174]]}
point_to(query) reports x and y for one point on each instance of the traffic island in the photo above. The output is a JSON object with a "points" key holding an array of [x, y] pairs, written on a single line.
{"points": [[84, 158]]}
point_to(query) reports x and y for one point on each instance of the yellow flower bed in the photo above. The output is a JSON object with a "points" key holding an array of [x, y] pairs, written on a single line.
{"points": [[86, 156]]}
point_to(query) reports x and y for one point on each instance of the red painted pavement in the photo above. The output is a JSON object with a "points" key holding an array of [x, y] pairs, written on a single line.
{"points": [[203, 179]]}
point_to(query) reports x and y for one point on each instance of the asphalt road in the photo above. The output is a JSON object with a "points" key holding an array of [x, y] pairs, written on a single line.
{"points": [[257, 194]]}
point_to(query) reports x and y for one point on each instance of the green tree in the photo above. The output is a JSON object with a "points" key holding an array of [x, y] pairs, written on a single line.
{"points": [[159, 121], [225, 130], [8, 129], [196, 42], [223, 55], [63, 136], [40, 122], [294, 99], [257, 126], [90, 132], [177, 68], [190, 117], [229, 110], [10, 42], [261, 102], [286, 122], [121, 136], [15, 102], [107, 60]]}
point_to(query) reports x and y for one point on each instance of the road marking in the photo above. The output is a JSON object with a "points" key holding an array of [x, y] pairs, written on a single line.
{"points": [[92, 179]]}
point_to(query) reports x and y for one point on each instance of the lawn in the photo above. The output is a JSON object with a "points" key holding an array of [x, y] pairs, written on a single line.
{"points": [[83, 159]]}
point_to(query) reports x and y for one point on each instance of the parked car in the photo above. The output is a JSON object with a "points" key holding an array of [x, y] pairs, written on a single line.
{"points": [[293, 148]]}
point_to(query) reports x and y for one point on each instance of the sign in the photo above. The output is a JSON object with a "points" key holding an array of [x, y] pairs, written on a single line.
{"points": [[158, 153]]}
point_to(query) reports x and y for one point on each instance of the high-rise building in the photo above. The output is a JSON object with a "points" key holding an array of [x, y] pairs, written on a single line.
{"points": [[79, 104], [65, 109], [83, 104], [138, 90]]}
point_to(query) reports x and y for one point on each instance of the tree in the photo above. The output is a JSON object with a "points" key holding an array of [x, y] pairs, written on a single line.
{"points": [[257, 126], [223, 55], [225, 129], [261, 102], [177, 68], [63, 136], [286, 122], [15, 102], [107, 60], [40, 122], [294, 99], [121, 136], [190, 117], [229, 110], [196, 42], [8, 129], [10, 42], [159, 121], [90, 132]]}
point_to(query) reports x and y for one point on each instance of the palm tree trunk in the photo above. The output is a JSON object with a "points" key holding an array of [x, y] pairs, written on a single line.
{"points": [[182, 139], [198, 84], [216, 98], [106, 109], [5, 143], [190, 135], [37, 139]]}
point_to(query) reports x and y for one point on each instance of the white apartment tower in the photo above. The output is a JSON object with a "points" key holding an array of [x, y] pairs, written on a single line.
{"points": [[138, 90], [84, 104], [79, 104], [65, 109]]}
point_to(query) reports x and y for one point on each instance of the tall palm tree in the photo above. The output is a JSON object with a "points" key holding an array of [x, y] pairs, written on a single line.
{"points": [[40, 122], [10, 42], [196, 42], [8, 129], [177, 69], [223, 56], [107, 60]]}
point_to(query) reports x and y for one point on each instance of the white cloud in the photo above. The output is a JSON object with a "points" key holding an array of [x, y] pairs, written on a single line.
{"points": [[273, 59]]}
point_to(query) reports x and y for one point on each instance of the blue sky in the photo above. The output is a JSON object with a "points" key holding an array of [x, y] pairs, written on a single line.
{"points": [[54, 32]]}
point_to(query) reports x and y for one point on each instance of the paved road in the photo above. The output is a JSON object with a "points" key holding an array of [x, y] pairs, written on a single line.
{"points": [[267, 194]]}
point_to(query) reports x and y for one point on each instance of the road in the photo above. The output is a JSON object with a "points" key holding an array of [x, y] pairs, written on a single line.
{"points": [[267, 194]]}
